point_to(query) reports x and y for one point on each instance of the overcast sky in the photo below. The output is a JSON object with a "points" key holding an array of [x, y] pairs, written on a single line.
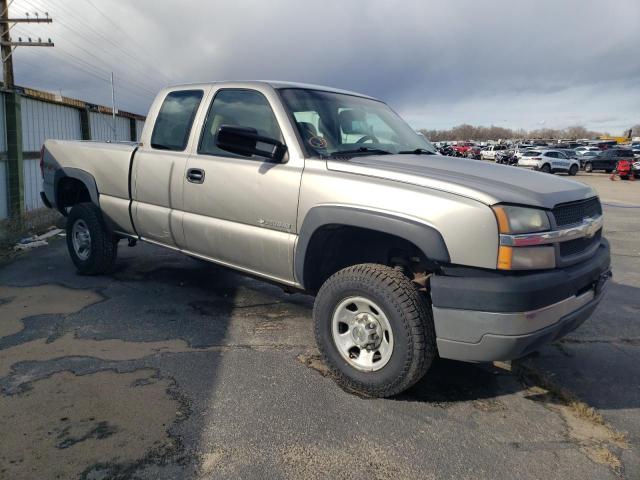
{"points": [[512, 63]]}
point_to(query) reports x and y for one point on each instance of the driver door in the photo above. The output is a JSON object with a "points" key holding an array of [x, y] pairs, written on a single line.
{"points": [[241, 211]]}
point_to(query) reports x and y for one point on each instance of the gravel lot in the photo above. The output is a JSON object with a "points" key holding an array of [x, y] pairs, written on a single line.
{"points": [[171, 368]]}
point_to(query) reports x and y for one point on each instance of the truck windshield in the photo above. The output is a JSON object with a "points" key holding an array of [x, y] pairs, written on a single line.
{"points": [[334, 123]]}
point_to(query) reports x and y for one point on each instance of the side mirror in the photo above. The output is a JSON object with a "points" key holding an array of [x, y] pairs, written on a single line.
{"points": [[245, 141]]}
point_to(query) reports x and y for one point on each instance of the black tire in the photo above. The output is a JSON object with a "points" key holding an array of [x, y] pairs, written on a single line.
{"points": [[588, 167], [609, 170], [409, 315], [573, 170], [104, 246], [546, 168]]}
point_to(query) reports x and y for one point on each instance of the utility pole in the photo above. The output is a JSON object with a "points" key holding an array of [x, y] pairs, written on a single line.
{"points": [[113, 109], [7, 46], [13, 113]]}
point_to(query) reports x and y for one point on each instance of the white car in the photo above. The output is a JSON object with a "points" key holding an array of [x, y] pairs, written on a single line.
{"points": [[549, 161], [582, 150], [521, 150], [489, 153]]}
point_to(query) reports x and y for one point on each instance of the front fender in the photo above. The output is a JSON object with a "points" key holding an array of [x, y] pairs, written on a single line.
{"points": [[423, 236]]}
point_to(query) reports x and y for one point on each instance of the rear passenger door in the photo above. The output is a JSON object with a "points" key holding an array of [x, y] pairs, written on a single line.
{"points": [[243, 212], [158, 169], [552, 159], [604, 161], [563, 162]]}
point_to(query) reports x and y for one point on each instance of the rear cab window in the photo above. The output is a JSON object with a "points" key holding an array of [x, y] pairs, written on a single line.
{"points": [[175, 118]]}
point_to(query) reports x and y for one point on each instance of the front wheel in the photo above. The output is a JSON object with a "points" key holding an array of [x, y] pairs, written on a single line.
{"points": [[374, 329], [588, 167], [93, 249], [573, 170]]}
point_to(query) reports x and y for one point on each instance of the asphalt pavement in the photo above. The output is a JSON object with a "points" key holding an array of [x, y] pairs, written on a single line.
{"points": [[172, 368]]}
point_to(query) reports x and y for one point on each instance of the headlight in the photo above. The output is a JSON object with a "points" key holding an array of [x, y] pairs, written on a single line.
{"points": [[526, 258], [522, 220], [515, 220]]}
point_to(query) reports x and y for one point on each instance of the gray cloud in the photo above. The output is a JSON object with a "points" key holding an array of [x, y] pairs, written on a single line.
{"points": [[513, 63]]}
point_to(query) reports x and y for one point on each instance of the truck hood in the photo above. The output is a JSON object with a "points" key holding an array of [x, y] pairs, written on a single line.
{"points": [[488, 183]]}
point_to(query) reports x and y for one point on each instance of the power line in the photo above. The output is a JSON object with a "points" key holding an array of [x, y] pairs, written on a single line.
{"points": [[7, 45], [125, 33], [138, 62], [114, 65], [101, 70]]}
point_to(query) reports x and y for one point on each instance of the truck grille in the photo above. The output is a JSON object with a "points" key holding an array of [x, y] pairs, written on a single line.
{"points": [[575, 212], [579, 245]]}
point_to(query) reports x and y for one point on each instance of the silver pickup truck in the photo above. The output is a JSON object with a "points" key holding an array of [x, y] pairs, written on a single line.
{"points": [[411, 255]]}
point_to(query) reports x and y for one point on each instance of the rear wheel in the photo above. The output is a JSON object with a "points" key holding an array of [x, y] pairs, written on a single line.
{"points": [[546, 168], [374, 329], [588, 167], [93, 249], [573, 170]]}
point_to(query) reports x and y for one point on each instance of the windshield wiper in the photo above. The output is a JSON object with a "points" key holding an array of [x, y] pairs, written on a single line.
{"points": [[417, 151], [360, 151]]}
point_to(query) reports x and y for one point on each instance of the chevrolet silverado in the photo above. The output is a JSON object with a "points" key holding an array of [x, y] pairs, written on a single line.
{"points": [[410, 255]]}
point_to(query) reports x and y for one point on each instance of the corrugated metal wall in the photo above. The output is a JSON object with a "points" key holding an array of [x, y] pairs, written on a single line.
{"points": [[43, 120], [102, 127], [32, 184], [40, 121], [139, 126]]}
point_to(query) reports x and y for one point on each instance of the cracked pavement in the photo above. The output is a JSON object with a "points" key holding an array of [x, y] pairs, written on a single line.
{"points": [[171, 368]]}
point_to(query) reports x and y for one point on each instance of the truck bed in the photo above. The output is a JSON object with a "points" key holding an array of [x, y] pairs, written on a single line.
{"points": [[108, 163]]}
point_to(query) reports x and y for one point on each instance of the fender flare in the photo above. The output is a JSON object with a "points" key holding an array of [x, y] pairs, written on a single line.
{"points": [[425, 237], [84, 177]]}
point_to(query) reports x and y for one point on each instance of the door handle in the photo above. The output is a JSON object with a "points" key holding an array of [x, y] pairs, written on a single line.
{"points": [[195, 175]]}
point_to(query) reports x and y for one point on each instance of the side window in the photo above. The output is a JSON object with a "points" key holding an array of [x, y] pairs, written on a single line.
{"points": [[242, 108], [173, 124]]}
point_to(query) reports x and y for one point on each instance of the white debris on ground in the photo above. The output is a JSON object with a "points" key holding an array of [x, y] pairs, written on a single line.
{"points": [[38, 240]]}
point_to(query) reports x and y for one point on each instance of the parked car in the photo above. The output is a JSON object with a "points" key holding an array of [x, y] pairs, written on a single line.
{"points": [[582, 150], [410, 256], [506, 157], [549, 161], [568, 152], [473, 153], [520, 149], [489, 153], [586, 156], [608, 159], [461, 149]]}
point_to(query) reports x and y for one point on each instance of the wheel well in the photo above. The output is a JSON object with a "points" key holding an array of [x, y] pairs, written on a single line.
{"points": [[71, 191], [334, 247]]}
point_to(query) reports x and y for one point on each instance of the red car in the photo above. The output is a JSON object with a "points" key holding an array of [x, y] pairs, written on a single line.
{"points": [[462, 148]]}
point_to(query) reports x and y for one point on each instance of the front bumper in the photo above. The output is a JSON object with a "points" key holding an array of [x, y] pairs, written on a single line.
{"points": [[506, 316]]}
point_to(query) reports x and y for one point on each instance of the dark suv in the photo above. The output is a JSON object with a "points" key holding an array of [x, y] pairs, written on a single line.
{"points": [[607, 160]]}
